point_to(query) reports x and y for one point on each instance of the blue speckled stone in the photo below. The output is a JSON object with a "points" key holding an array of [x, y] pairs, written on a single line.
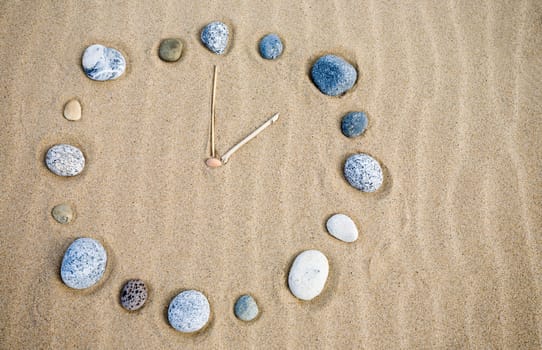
{"points": [[333, 75], [189, 311], [354, 124], [363, 172], [245, 308], [271, 47], [215, 37], [83, 264], [103, 63]]}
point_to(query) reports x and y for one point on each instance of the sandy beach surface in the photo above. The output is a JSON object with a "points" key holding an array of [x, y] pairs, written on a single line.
{"points": [[450, 249]]}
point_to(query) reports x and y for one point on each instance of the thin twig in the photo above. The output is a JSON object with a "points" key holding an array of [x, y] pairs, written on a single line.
{"points": [[213, 150]]}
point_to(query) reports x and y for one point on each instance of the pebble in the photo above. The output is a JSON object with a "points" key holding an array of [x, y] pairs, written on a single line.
{"points": [[189, 311], [72, 110], [63, 213], [363, 172], [246, 308], [271, 46], [215, 36], [354, 124], [103, 63], [65, 160], [333, 75], [170, 50], [83, 264], [342, 227], [308, 274], [133, 295]]}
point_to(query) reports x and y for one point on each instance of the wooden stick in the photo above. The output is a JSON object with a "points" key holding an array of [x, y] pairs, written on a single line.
{"points": [[252, 135], [213, 150]]}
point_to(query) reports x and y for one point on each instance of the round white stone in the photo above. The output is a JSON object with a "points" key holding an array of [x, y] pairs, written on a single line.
{"points": [[342, 227], [308, 274], [65, 160], [83, 264], [189, 311]]}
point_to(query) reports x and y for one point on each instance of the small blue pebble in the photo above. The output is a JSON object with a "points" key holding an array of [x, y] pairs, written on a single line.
{"points": [[215, 37], [246, 308], [333, 75], [354, 124], [271, 47]]}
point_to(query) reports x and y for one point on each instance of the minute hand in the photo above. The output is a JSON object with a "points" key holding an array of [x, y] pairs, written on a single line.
{"points": [[252, 135]]}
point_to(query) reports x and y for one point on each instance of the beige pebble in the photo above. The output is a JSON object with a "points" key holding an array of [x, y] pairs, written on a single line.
{"points": [[72, 110], [213, 162], [63, 213]]}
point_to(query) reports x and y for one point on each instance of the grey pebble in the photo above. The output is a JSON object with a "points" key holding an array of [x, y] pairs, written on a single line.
{"points": [[63, 213], [83, 264], [133, 295], [246, 308], [333, 76], [271, 46], [354, 124], [215, 36], [363, 172], [65, 160], [103, 63], [189, 311], [170, 50]]}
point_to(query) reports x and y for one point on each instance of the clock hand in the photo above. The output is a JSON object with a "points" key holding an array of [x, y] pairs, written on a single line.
{"points": [[213, 162], [252, 135]]}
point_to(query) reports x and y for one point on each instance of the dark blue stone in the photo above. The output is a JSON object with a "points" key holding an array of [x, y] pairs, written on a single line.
{"points": [[354, 124], [333, 75], [271, 47]]}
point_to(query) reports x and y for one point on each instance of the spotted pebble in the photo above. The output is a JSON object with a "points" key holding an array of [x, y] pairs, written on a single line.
{"points": [[333, 76], [308, 274], [189, 311], [133, 295], [342, 227], [363, 172], [271, 46], [215, 36], [354, 124], [245, 308], [65, 160], [83, 264], [103, 63]]}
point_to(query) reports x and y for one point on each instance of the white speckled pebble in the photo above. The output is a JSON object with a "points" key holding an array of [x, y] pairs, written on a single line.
{"points": [[65, 160], [342, 227], [83, 264], [308, 274], [189, 311], [215, 36], [363, 172]]}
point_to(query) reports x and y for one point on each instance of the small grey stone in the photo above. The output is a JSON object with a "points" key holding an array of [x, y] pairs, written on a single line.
{"points": [[170, 50], [133, 295], [215, 36], [342, 227], [83, 264], [271, 46], [354, 124], [63, 213], [308, 274], [103, 63], [333, 75], [246, 308], [65, 160], [363, 172], [189, 311]]}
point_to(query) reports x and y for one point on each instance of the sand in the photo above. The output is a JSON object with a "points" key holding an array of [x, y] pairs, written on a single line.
{"points": [[450, 251]]}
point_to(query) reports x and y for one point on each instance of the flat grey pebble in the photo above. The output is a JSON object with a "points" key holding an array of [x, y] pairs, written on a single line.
{"points": [[245, 308], [354, 124], [363, 172], [189, 311], [83, 264], [333, 76], [308, 274], [342, 227], [65, 160], [103, 63], [271, 47], [63, 213], [133, 295], [215, 36], [170, 50]]}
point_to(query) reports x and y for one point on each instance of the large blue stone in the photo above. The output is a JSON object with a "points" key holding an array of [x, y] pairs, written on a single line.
{"points": [[333, 75]]}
